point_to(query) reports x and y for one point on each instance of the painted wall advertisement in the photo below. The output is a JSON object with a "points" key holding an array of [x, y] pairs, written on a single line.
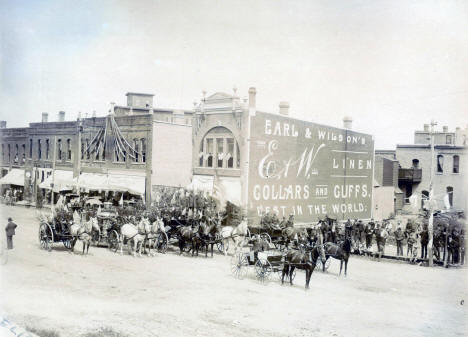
{"points": [[309, 170]]}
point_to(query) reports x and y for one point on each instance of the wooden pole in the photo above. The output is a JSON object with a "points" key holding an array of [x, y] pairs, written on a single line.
{"points": [[53, 172]]}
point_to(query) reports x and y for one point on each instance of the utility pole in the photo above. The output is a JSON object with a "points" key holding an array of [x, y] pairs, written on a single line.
{"points": [[53, 173], [431, 196], [79, 154]]}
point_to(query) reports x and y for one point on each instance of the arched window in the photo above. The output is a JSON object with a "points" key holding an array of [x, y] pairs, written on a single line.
{"points": [[143, 150], [59, 149], [136, 147], [456, 164], [219, 149], [415, 163], [39, 149], [440, 163], [30, 148], [9, 153], [47, 148], [69, 149]]}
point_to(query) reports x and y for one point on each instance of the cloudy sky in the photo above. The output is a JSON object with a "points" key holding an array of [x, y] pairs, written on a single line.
{"points": [[391, 65]]}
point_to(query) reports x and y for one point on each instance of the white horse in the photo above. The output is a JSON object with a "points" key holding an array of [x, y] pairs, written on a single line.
{"points": [[237, 234], [135, 234], [82, 232]]}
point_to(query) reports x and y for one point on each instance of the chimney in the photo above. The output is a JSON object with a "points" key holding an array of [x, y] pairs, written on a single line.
{"points": [[284, 108], [45, 117], [2, 124], [252, 97], [61, 117], [347, 122], [94, 113], [426, 127], [445, 128]]}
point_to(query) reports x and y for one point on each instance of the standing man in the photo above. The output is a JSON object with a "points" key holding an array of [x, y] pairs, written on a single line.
{"points": [[424, 235], [10, 231], [399, 237]]}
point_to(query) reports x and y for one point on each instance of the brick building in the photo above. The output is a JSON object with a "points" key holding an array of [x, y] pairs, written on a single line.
{"points": [[82, 148], [449, 172]]}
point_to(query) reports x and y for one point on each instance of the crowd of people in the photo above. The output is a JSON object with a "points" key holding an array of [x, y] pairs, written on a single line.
{"points": [[448, 235]]}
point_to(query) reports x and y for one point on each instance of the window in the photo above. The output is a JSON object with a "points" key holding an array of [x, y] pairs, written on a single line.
{"points": [[448, 139], [116, 154], [30, 148], [9, 153], [209, 150], [456, 164], [59, 149], [39, 149], [69, 149], [3, 152], [230, 153], [143, 150], [136, 147], [16, 154], [415, 163], [82, 150], [450, 195], [440, 163], [219, 149], [42, 177], [87, 149], [47, 144], [24, 153]]}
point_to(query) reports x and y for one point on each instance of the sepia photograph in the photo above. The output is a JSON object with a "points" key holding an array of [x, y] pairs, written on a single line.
{"points": [[287, 168]]}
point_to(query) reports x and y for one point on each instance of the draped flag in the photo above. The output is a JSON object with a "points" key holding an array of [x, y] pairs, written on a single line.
{"points": [[121, 200], [447, 201]]}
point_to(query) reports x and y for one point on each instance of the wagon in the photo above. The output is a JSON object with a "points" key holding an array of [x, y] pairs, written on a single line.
{"points": [[264, 263], [274, 237], [50, 233]]}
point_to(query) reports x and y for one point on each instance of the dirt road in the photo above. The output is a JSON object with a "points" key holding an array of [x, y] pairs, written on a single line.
{"points": [[171, 295]]}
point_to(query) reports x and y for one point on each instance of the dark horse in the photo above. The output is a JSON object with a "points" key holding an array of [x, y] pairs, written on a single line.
{"points": [[208, 234], [340, 252], [301, 259], [187, 234]]}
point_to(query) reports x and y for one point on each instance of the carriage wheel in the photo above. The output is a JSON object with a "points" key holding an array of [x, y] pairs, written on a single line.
{"points": [[220, 244], [161, 243], [46, 236], [239, 265], [266, 237], [113, 240], [263, 270], [67, 242]]}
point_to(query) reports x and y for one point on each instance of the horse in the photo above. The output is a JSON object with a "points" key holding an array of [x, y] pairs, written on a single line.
{"points": [[302, 259], [137, 234], [83, 233], [339, 252], [189, 234], [236, 234], [208, 234]]}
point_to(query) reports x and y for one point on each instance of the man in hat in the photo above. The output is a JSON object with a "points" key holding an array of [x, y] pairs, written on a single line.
{"points": [[10, 231], [399, 237]]}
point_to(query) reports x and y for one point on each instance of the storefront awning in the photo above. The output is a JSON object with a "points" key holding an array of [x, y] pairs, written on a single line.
{"points": [[60, 180], [112, 182], [14, 177]]}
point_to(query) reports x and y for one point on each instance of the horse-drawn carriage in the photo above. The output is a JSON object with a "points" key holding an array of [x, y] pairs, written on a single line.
{"points": [[54, 230], [264, 263]]}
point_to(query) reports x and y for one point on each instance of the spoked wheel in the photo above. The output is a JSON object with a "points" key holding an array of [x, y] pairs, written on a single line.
{"points": [[220, 244], [266, 237], [239, 265], [318, 264], [46, 236], [161, 243], [263, 270], [113, 240]]}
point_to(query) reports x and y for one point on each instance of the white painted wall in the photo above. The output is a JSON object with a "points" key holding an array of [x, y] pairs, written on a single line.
{"points": [[171, 154]]}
